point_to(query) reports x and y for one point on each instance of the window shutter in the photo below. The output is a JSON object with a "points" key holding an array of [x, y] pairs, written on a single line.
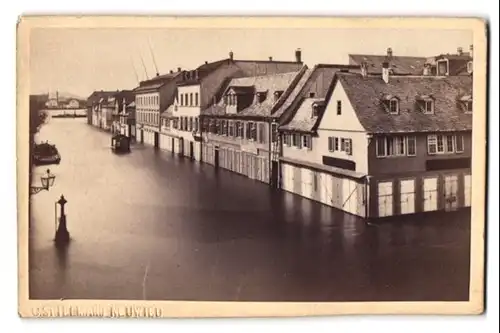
{"points": [[348, 148]]}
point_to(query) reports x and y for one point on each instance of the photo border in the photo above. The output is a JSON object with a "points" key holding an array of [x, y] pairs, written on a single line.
{"points": [[191, 309]]}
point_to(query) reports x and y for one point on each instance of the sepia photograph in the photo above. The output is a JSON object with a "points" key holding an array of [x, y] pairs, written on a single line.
{"points": [[172, 167]]}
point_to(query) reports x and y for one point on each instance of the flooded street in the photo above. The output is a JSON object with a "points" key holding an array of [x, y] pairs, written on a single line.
{"points": [[149, 225]]}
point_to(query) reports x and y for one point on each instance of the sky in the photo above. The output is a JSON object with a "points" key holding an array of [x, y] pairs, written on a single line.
{"points": [[82, 60]]}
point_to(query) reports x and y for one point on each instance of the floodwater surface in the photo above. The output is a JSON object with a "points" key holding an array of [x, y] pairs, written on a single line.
{"points": [[150, 225]]}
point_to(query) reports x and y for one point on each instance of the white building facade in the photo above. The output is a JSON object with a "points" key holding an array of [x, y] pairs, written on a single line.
{"points": [[184, 130]]}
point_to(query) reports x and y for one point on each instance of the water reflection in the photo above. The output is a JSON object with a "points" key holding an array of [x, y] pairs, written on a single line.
{"points": [[214, 235]]}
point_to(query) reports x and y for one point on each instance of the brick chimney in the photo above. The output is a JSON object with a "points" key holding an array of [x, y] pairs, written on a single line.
{"points": [[364, 69], [298, 55], [427, 69], [389, 53], [178, 69], [171, 71], [231, 55], [460, 51], [385, 71], [270, 58], [471, 49]]}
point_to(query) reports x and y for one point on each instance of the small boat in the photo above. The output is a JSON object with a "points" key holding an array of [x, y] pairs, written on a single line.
{"points": [[45, 154], [120, 143]]}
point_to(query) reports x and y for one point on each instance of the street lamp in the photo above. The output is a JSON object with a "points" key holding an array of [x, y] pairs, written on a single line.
{"points": [[47, 182]]}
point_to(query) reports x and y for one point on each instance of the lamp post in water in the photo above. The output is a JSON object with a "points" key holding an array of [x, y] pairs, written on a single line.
{"points": [[62, 234]]}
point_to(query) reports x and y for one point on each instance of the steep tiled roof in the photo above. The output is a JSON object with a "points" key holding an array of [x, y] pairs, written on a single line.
{"points": [[365, 95], [294, 93], [169, 112], [201, 72], [129, 96], [319, 81], [148, 87], [400, 65], [304, 120], [156, 82], [266, 83], [97, 95]]}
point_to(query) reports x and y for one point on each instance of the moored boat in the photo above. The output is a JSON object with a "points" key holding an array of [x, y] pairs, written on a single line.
{"points": [[45, 154], [120, 143]]}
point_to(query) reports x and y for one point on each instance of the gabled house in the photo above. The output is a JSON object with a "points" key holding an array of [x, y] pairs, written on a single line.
{"points": [[199, 89], [122, 99], [127, 119], [152, 97], [240, 131], [107, 106], [94, 108], [386, 145]]}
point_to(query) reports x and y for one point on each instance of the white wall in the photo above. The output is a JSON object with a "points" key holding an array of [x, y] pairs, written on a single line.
{"points": [[301, 153], [359, 148], [345, 125], [146, 104], [186, 110]]}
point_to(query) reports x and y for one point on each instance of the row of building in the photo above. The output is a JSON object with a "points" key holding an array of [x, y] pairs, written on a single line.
{"points": [[381, 135]]}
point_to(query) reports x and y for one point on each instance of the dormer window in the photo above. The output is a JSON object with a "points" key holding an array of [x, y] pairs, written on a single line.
{"points": [[277, 94], [231, 99], [394, 106], [470, 67], [261, 96], [317, 108], [391, 103], [442, 67], [466, 103], [468, 106], [315, 111], [426, 104]]}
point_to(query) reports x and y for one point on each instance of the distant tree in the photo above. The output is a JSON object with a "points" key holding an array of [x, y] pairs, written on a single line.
{"points": [[37, 114]]}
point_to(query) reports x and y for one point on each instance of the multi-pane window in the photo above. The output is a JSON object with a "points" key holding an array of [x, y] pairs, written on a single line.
{"points": [[287, 139], [239, 129], [262, 133], [397, 145], [445, 144], [428, 106], [296, 140], [307, 141], [224, 127], [190, 123], [230, 128], [468, 106], [339, 144], [191, 99], [196, 99], [218, 129], [339, 107], [253, 131], [274, 132], [196, 127], [411, 142], [459, 143]]}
